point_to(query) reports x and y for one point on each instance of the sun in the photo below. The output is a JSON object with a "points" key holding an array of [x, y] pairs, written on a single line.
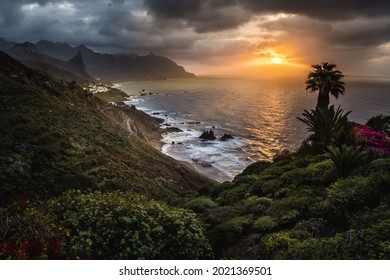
{"points": [[276, 60]]}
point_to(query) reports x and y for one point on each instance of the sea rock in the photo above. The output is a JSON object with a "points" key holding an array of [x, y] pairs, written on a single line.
{"points": [[226, 137], [202, 163], [208, 135], [172, 129]]}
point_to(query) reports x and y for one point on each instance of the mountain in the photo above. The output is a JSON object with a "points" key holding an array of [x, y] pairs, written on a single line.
{"points": [[51, 57], [124, 67], [28, 54], [61, 51], [77, 62], [5, 45], [54, 137]]}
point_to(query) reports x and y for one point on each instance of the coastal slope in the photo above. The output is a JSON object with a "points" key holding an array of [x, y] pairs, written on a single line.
{"points": [[55, 138]]}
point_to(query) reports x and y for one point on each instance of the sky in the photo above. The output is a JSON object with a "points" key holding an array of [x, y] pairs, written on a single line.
{"points": [[217, 37]]}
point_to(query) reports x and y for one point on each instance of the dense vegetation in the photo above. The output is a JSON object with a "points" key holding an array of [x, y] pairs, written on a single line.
{"points": [[54, 141], [75, 185], [327, 200]]}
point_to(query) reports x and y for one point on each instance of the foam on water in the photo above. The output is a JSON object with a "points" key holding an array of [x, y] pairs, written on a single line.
{"points": [[260, 114], [216, 159]]}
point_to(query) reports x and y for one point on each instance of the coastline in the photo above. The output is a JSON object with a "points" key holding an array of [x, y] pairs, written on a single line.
{"points": [[159, 129]]}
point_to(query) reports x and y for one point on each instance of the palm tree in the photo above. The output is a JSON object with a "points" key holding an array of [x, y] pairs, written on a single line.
{"points": [[326, 80], [328, 125]]}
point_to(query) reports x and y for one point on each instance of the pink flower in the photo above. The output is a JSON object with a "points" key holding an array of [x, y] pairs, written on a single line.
{"points": [[376, 141]]}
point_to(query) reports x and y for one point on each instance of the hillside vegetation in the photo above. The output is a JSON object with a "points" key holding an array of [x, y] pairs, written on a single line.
{"points": [[78, 180], [54, 141]]}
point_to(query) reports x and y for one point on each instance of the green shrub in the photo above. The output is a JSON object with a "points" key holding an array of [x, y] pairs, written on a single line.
{"points": [[289, 219], [380, 122], [352, 194], [265, 224], [369, 243], [215, 191], [293, 177], [320, 173], [283, 155], [327, 124], [256, 168], [276, 244], [313, 225], [300, 199], [346, 158], [233, 195], [229, 231], [200, 204], [114, 225], [254, 205], [380, 165], [382, 182], [265, 187]]}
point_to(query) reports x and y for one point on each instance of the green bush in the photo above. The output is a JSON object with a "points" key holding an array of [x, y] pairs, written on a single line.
{"points": [[322, 173], [289, 219], [231, 196], [277, 244], [283, 155], [200, 204], [382, 182], [380, 165], [256, 168], [114, 225], [229, 231], [254, 205], [216, 190], [265, 224], [346, 158], [380, 122], [327, 124], [352, 194], [369, 243], [313, 225]]}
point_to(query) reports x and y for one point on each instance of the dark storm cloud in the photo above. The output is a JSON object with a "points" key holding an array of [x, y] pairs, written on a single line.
{"points": [[326, 10], [203, 16], [322, 9], [361, 33], [218, 15], [203, 29]]}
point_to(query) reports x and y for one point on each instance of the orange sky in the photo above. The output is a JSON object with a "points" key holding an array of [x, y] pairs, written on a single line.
{"points": [[223, 37]]}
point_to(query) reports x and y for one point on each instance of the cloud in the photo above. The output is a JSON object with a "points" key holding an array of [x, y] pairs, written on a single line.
{"points": [[210, 31], [319, 9]]}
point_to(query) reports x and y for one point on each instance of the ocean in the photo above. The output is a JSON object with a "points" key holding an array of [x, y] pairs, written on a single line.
{"points": [[259, 114]]}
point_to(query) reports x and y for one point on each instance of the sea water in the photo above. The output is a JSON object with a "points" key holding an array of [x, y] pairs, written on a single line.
{"points": [[259, 114]]}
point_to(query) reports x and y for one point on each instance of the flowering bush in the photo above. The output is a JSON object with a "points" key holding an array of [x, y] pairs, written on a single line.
{"points": [[376, 141]]}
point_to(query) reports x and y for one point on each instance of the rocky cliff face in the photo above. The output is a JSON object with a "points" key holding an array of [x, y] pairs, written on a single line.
{"points": [[72, 70]]}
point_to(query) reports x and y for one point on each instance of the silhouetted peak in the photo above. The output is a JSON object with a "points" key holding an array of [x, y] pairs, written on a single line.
{"points": [[5, 45], [77, 61], [26, 46], [48, 43], [83, 47]]}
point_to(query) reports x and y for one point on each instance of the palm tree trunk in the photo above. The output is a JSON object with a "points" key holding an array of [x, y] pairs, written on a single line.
{"points": [[323, 98]]}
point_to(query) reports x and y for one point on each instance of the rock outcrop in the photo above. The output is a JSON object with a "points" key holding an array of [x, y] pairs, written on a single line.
{"points": [[207, 135]]}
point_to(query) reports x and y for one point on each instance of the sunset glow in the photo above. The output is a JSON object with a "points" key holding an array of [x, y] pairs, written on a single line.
{"points": [[215, 37], [276, 60]]}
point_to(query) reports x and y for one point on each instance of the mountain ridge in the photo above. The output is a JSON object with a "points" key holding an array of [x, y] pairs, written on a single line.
{"points": [[102, 66]]}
